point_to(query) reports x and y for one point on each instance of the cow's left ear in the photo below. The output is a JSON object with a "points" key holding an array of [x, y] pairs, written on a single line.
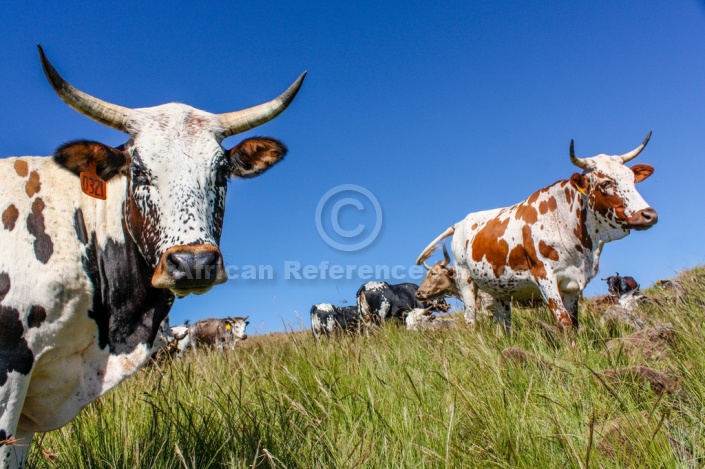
{"points": [[77, 157], [254, 156], [642, 171], [580, 182]]}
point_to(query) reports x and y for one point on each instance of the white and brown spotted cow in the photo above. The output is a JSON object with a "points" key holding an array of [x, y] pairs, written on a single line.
{"points": [[549, 245], [86, 282]]}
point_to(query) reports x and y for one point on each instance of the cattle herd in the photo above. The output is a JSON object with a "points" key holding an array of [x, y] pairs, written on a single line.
{"points": [[98, 241]]}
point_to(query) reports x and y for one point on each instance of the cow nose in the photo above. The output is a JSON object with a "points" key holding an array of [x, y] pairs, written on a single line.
{"points": [[192, 269], [644, 219], [420, 296]]}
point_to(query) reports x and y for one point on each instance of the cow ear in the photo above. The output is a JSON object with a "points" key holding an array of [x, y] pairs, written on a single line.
{"points": [[580, 182], [78, 156], [254, 156], [451, 272], [642, 171]]}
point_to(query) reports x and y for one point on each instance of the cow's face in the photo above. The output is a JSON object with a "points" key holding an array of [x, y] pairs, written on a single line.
{"points": [[438, 282], [238, 326], [176, 173], [611, 189]]}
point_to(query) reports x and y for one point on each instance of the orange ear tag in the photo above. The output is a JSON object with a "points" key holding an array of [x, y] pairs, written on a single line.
{"points": [[92, 184]]}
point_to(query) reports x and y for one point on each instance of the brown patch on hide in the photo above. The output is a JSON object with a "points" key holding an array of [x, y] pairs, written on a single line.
{"points": [[548, 251], [43, 246], [489, 245], [527, 213], [9, 217], [21, 168], [33, 185]]}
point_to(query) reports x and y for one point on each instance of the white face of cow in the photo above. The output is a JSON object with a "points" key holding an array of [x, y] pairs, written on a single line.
{"points": [[612, 195], [238, 326], [176, 176]]}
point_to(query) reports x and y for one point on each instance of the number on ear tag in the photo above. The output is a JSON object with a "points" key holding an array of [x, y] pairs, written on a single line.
{"points": [[92, 184]]}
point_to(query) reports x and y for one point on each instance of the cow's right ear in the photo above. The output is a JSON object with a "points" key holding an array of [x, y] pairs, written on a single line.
{"points": [[78, 156], [580, 182], [451, 272]]}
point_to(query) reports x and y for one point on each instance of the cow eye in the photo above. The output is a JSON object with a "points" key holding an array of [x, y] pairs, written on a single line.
{"points": [[606, 185], [139, 176]]}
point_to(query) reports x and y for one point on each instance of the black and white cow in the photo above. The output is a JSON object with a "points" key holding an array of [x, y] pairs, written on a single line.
{"points": [[380, 301], [98, 241], [328, 319]]}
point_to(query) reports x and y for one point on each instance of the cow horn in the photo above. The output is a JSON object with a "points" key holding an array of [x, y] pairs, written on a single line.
{"points": [[446, 257], [108, 114], [579, 162], [635, 152], [428, 267], [241, 121]]}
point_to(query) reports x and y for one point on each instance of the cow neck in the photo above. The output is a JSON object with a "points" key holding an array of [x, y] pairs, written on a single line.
{"points": [[126, 308]]}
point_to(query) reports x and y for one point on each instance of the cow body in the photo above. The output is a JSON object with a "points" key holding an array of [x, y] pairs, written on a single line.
{"points": [[328, 319], [222, 334], [86, 282], [380, 301], [548, 246]]}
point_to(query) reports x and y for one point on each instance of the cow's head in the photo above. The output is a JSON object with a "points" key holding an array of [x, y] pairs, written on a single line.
{"points": [[439, 280], [176, 176], [610, 188], [238, 326]]}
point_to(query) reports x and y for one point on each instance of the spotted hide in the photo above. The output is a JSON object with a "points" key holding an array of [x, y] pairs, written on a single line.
{"points": [[328, 319], [549, 245], [86, 282]]}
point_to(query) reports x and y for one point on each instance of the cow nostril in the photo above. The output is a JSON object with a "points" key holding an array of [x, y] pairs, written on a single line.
{"points": [[649, 215]]}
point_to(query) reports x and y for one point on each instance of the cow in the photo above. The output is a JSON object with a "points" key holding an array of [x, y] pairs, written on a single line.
{"points": [[549, 245], [423, 319], [98, 241], [181, 341], [380, 301], [618, 285], [222, 334], [440, 282], [328, 319]]}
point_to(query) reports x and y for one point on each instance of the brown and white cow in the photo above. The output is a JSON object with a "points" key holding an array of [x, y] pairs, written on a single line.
{"points": [[219, 333], [549, 245], [85, 281]]}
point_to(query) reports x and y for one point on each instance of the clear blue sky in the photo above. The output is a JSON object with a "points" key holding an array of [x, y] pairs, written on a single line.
{"points": [[437, 109]]}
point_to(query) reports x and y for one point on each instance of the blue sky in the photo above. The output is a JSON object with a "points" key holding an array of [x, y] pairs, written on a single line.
{"points": [[438, 110]]}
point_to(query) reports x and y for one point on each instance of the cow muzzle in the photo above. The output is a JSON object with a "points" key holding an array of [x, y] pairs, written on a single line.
{"points": [[189, 269], [643, 219]]}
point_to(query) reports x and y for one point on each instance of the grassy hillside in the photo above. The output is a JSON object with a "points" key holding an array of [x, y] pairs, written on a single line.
{"points": [[400, 399]]}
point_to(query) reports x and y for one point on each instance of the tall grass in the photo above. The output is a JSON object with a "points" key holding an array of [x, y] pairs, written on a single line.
{"points": [[400, 399]]}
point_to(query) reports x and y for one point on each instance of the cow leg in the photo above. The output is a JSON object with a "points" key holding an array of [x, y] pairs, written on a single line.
{"points": [[14, 443], [554, 300], [468, 290], [503, 313], [571, 300]]}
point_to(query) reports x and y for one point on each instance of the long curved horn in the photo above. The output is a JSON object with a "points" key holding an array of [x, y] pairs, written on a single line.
{"points": [[635, 152], [240, 121], [579, 162], [446, 257], [108, 114]]}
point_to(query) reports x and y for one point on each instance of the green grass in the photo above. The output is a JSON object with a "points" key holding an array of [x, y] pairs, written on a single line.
{"points": [[403, 399]]}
